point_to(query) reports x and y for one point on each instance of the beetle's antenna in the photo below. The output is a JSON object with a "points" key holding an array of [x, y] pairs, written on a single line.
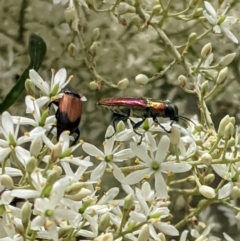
{"points": [[185, 119]]}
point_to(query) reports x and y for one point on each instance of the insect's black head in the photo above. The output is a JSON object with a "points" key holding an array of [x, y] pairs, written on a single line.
{"points": [[171, 111]]}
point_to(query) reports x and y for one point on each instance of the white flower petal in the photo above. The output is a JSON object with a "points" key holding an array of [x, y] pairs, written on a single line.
{"points": [[7, 124], [138, 217], [136, 176], [124, 154], [108, 145], [141, 153], [225, 191], [117, 173], [24, 193], [98, 171], [160, 185], [210, 9], [92, 150], [230, 35], [39, 82], [167, 229], [59, 78], [175, 167], [162, 149], [4, 153]]}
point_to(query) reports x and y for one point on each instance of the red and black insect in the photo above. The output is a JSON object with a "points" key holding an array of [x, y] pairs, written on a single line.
{"points": [[69, 113], [123, 108]]}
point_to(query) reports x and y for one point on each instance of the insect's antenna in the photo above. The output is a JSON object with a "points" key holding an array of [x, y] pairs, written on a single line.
{"points": [[185, 119]]}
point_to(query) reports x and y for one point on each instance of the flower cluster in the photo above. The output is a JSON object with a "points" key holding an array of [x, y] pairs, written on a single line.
{"points": [[56, 203]]}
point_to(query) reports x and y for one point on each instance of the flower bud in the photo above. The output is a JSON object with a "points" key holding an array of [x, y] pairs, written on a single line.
{"points": [[94, 48], [58, 169], [207, 191], [30, 87], [209, 178], [222, 76], [31, 165], [198, 13], [233, 120], [125, 8], [198, 127], [96, 34], [122, 84], [70, 15], [128, 203], [206, 159], [227, 59], [56, 152], [120, 127], [36, 146], [43, 117], [104, 237], [204, 88], [156, 10], [137, 21], [71, 49], [229, 131], [206, 50], [52, 177], [141, 79], [144, 233], [235, 192], [182, 81], [192, 38], [175, 134], [93, 85], [26, 212], [161, 237], [84, 192], [104, 222], [6, 181], [191, 179], [74, 188], [222, 125], [64, 231]]}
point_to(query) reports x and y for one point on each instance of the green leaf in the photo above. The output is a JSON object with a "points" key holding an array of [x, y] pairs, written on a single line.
{"points": [[36, 50]]}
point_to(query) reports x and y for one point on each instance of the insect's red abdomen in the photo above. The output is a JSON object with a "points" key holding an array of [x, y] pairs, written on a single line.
{"points": [[134, 102]]}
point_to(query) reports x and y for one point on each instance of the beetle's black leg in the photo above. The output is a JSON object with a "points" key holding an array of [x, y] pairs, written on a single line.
{"points": [[157, 122], [135, 126], [77, 137], [117, 118]]}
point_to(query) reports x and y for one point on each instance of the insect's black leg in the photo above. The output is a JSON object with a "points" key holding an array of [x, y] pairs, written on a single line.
{"points": [[135, 126], [77, 137], [117, 118], [157, 122]]}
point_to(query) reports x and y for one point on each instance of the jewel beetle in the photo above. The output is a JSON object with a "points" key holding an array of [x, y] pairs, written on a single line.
{"points": [[125, 107], [68, 114]]}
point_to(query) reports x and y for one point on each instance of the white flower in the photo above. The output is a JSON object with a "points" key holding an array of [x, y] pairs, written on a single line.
{"points": [[48, 211], [154, 165], [12, 142], [11, 215], [152, 214], [65, 156], [108, 158], [228, 174], [33, 107], [57, 83], [148, 127], [221, 23], [39, 183]]}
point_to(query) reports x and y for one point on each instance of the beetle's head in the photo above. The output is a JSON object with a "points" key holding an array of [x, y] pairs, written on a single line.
{"points": [[171, 111]]}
